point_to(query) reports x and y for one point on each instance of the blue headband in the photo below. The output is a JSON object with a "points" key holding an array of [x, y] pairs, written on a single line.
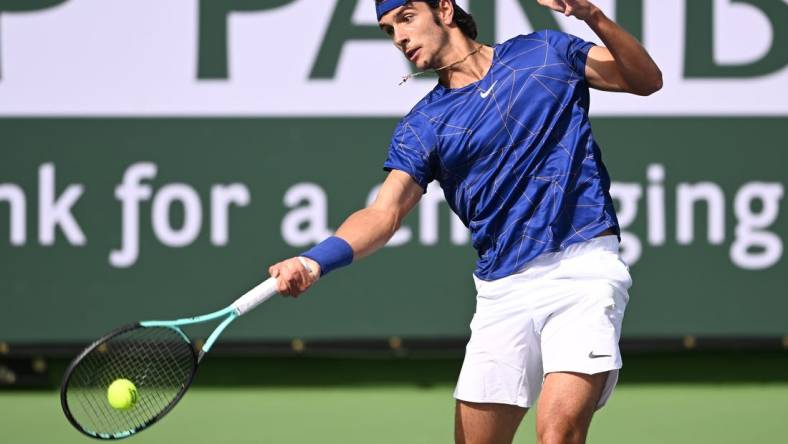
{"points": [[384, 6], [387, 5]]}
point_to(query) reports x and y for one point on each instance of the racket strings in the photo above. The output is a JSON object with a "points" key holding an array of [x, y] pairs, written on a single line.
{"points": [[143, 360], [96, 371], [158, 361]]}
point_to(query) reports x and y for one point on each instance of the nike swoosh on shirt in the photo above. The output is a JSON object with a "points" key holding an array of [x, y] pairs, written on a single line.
{"points": [[484, 94], [593, 356]]}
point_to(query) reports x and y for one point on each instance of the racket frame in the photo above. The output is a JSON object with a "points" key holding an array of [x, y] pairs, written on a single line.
{"points": [[251, 299], [230, 314], [96, 344]]}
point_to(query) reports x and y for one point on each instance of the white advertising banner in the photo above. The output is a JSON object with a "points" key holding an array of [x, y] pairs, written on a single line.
{"points": [[324, 57]]}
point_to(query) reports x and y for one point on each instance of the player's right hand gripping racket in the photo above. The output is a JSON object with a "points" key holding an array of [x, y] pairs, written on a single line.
{"points": [[156, 356]]}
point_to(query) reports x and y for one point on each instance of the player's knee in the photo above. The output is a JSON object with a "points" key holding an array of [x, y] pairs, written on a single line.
{"points": [[555, 436], [561, 432]]}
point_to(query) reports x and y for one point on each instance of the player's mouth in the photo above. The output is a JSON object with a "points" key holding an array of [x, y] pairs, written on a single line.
{"points": [[412, 54]]}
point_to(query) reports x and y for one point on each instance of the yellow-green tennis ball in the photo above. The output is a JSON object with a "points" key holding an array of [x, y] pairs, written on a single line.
{"points": [[122, 394]]}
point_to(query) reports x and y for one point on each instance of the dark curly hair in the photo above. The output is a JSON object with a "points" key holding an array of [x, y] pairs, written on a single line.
{"points": [[462, 19]]}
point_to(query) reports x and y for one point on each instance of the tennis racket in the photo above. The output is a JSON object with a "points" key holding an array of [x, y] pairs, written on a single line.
{"points": [[156, 356]]}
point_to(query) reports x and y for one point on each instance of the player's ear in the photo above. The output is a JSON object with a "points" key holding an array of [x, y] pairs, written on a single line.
{"points": [[446, 11]]}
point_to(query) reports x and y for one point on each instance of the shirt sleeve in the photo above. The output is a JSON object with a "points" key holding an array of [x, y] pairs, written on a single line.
{"points": [[572, 49], [412, 150]]}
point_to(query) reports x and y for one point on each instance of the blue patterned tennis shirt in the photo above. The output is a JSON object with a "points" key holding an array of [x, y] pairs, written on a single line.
{"points": [[514, 153]]}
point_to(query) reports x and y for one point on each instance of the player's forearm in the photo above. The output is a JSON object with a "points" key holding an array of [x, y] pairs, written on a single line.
{"points": [[638, 69], [368, 230]]}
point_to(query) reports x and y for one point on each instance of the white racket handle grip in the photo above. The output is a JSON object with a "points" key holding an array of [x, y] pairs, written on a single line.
{"points": [[255, 296]]}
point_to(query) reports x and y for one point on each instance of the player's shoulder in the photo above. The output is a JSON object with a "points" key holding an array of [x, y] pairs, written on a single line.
{"points": [[522, 43], [420, 114], [520, 46], [533, 39], [414, 122], [415, 131]]}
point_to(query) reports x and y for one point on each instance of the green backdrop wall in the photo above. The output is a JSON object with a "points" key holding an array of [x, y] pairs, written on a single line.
{"points": [[156, 157], [727, 280]]}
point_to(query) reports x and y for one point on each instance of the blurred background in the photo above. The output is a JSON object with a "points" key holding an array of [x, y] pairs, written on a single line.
{"points": [[158, 156]]}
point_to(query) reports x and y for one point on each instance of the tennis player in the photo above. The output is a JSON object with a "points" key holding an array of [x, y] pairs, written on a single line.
{"points": [[507, 135]]}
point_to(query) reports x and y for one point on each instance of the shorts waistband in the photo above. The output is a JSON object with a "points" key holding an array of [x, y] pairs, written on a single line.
{"points": [[546, 261], [606, 243]]}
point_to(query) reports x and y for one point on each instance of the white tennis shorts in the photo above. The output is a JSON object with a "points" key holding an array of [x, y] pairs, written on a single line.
{"points": [[562, 313]]}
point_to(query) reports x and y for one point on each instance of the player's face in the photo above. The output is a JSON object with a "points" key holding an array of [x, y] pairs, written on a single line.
{"points": [[417, 32]]}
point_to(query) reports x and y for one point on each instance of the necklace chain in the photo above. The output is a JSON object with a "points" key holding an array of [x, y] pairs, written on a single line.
{"points": [[407, 77]]}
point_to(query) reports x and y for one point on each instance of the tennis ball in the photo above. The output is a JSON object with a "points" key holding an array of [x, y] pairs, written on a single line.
{"points": [[122, 394]]}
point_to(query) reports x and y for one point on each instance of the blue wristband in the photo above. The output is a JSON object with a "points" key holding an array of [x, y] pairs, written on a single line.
{"points": [[331, 254]]}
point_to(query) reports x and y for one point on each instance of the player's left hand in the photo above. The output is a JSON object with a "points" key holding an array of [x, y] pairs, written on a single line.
{"points": [[580, 9]]}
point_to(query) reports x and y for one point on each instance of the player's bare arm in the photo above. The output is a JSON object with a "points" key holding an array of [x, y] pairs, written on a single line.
{"points": [[622, 65], [369, 229], [365, 231]]}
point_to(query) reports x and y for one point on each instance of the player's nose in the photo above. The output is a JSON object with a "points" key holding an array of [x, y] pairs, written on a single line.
{"points": [[401, 39]]}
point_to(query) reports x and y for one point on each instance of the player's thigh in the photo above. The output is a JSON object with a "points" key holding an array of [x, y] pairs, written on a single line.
{"points": [[486, 423], [566, 406]]}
